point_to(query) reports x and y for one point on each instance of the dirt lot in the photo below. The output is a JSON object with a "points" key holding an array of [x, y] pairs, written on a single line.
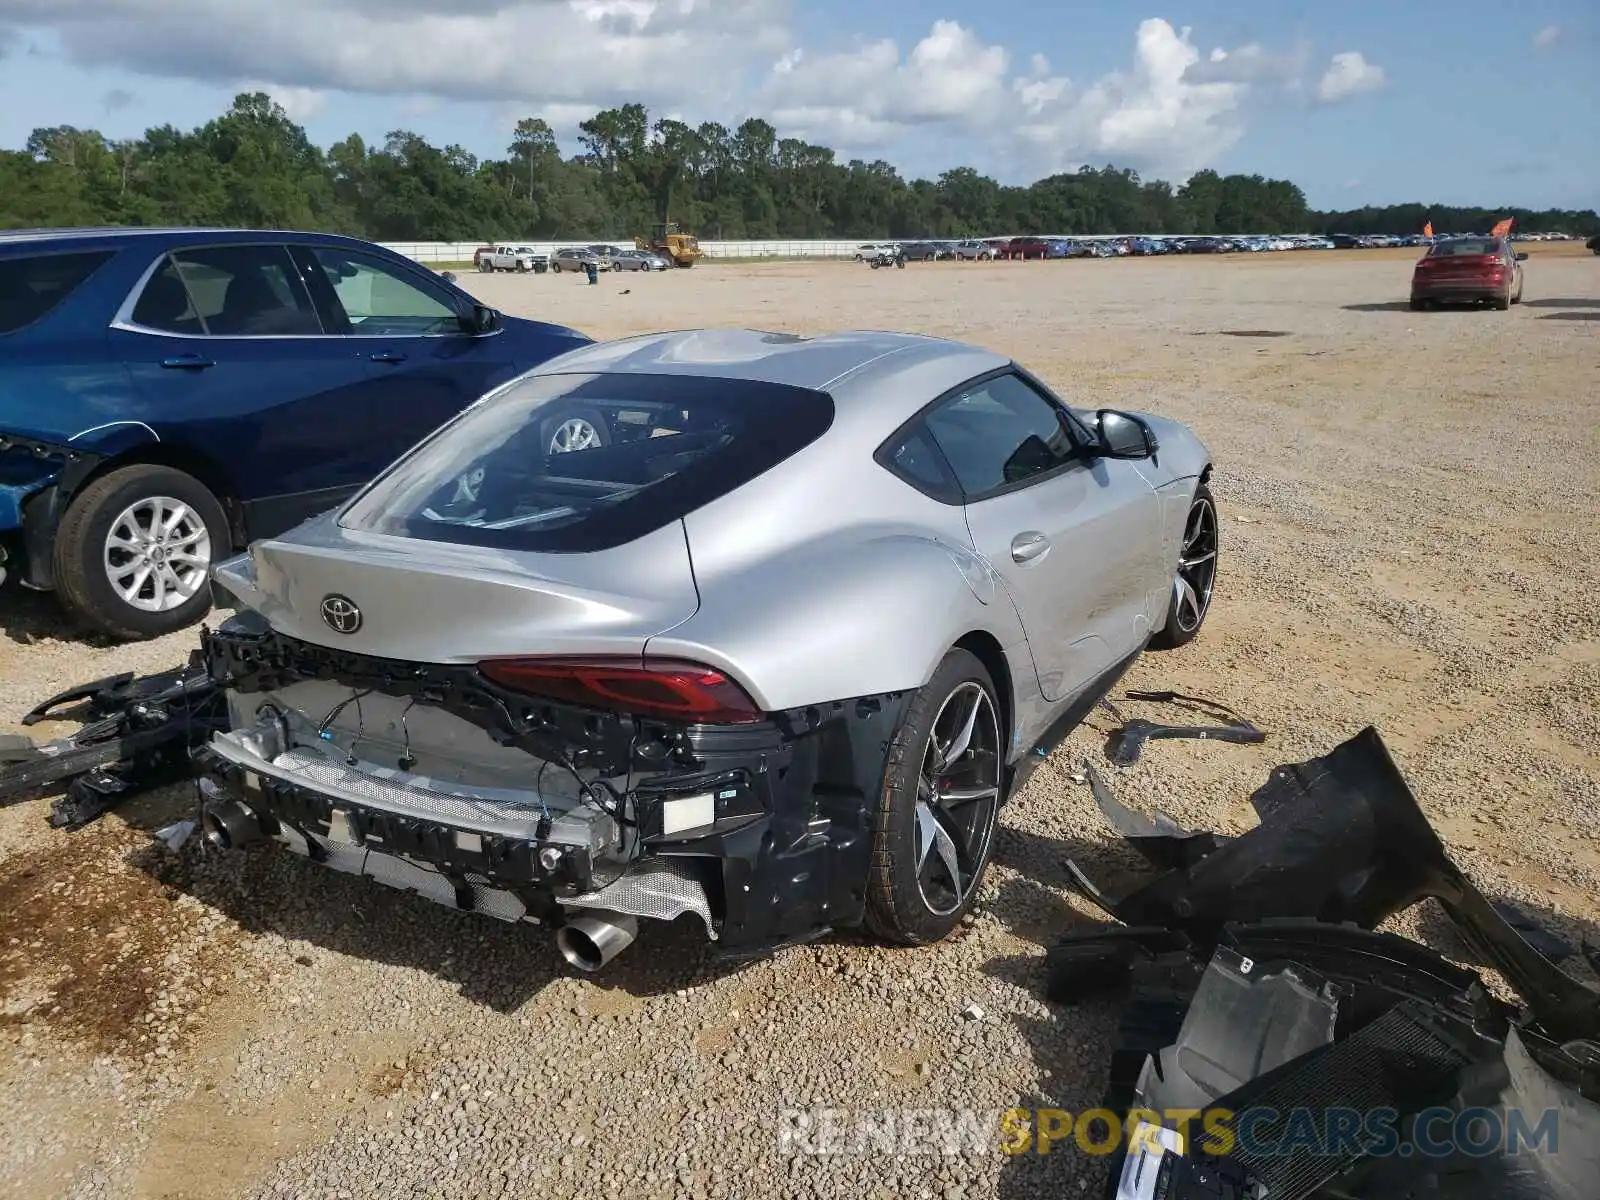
{"points": [[1410, 540]]}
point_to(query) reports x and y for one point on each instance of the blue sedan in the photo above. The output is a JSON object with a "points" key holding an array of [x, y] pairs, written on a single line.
{"points": [[169, 395]]}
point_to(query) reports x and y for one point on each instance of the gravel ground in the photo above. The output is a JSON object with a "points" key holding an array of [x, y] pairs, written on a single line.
{"points": [[1410, 541]]}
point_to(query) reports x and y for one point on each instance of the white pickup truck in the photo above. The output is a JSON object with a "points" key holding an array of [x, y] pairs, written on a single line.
{"points": [[513, 258]]}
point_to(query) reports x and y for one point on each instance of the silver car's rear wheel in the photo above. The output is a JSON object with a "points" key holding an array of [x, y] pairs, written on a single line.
{"points": [[943, 784], [1195, 578], [958, 794]]}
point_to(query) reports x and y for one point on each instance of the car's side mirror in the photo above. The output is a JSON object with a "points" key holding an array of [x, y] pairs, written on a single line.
{"points": [[1122, 436], [1522, 256], [480, 320]]}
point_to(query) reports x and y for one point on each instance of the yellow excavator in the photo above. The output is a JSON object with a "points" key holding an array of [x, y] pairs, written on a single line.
{"points": [[672, 244]]}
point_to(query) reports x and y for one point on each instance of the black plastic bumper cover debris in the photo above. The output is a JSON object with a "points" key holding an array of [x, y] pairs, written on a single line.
{"points": [[1256, 988], [138, 733]]}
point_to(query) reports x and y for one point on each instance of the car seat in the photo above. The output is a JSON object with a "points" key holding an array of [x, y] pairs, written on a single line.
{"points": [[251, 306]]}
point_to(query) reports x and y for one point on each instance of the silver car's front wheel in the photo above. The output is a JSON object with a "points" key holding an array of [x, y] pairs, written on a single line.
{"points": [[1195, 578], [157, 554]]}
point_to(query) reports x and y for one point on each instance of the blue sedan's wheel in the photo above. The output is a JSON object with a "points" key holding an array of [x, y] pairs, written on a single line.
{"points": [[581, 429], [134, 551], [940, 803]]}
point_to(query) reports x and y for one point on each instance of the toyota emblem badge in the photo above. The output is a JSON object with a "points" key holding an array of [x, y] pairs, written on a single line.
{"points": [[340, 614]]}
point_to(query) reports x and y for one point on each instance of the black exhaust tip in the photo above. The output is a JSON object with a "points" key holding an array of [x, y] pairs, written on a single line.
{"points": [[229, 824]]}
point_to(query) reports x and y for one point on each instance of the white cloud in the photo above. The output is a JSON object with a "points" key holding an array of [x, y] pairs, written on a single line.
{"points": [[1170, 110], [1349, 74], [658, 51], [1548, 37], [299, 103], [1251, 63], [1160, 115]]}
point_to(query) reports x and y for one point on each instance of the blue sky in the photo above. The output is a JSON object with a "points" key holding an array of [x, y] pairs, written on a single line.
{"points": [[1470, 102]]}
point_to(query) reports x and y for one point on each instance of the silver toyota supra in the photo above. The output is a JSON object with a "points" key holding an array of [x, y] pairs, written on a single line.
{"points": [[770, 644]]}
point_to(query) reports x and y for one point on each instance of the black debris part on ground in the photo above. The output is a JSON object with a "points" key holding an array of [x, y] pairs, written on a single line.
{"points": [[1273, 1046], [1125, 743], [137, 733]]}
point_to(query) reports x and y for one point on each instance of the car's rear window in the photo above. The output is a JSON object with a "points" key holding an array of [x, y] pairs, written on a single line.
{"points": [[33, 285], [581, 462], [1464, 246]]}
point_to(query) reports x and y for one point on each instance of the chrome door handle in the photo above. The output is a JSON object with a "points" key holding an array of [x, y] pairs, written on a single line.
{"points": [[187, 362], [1026, 547], [387, 356]]}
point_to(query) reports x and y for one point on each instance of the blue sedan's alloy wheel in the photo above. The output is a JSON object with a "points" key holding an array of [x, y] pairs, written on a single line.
{"points": [[134, 550]]}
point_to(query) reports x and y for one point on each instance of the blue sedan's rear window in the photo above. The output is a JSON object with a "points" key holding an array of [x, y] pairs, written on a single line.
{"points": [[574, 463], [31, 286]]}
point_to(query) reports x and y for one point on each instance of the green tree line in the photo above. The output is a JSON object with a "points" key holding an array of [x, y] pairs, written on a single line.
{"points": [[254, 167]]}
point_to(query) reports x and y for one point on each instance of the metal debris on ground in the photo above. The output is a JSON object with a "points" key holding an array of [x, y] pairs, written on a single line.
{"points": [[175, 835], [1124, 744], [1257, 992], [137, 734]]}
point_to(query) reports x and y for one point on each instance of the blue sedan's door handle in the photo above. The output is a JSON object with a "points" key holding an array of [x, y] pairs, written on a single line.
{"points": [[387, 356], [187, 362]]}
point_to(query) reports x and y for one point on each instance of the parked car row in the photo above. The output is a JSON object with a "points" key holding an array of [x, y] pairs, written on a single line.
{"points": [[1044, 247], [1038, 247], [602, 257]]}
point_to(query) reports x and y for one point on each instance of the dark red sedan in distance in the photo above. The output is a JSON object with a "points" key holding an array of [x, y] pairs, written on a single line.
{"points": [[1473, 270]]}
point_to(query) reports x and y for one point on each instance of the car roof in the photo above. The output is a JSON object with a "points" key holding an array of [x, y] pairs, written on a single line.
{"points": [[818, 363], [105, 235]]}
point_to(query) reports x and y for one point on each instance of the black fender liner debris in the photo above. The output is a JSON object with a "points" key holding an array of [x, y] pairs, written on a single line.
{"points": [[1124, 745], [1343, 839], [1160, 838], [1342, 844]]}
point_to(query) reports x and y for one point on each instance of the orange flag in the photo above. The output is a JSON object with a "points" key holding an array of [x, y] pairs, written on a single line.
{"points": [[1501, 229], [1427, 230]]}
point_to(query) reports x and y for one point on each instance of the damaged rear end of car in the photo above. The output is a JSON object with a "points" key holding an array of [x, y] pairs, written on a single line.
{"points": [[447, 686]]}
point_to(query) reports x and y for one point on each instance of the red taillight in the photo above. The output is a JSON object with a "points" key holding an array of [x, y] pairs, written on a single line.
{"points": [[656, 687]]}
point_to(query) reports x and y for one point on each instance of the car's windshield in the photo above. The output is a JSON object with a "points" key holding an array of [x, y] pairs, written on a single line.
{"points": [[575, 462]]}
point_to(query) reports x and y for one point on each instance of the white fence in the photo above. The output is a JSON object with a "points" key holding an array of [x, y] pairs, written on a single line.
{"points": [[432, 252]]}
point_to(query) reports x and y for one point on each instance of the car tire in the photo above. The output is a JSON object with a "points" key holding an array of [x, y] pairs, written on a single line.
{"points": [[1418, 305], [128, 502], [929, 857], [1195, 577], [1502, 303], [555, 268], [574, 429]]}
